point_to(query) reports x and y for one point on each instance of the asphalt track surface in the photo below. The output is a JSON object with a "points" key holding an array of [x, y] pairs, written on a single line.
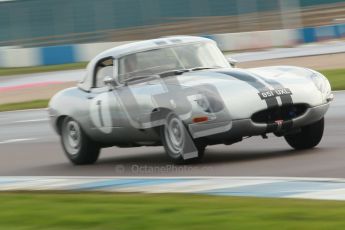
{"points": [[29, 147]]}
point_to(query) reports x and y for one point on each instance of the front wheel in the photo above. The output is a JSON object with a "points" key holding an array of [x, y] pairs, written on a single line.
{"points": [[78, 147], [309, 137], [175, 137]]}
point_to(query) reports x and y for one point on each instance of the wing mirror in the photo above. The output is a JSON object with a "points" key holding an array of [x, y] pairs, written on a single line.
{"points": [[232, 62], [109, 81]]}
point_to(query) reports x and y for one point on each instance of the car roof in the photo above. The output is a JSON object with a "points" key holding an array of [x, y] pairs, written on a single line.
{"points": [[136, 47]]}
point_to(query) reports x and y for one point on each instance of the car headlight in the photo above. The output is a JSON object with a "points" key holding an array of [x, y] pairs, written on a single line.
{"points": [[209, 103], [321, 83], [203, 103]]}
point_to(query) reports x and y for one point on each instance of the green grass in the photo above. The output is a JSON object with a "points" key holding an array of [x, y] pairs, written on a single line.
{"points": [[336, 78], [39, 69], [24, 105], [144, 211]]}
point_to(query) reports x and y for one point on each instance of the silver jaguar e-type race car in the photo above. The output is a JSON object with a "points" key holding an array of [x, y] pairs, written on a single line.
{"points": [[182, 93]]}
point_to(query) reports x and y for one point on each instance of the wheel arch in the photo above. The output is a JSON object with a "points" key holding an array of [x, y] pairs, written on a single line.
{"points": [[59, 121], [159, 113]]}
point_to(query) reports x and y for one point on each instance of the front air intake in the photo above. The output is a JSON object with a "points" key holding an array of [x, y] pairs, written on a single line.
{"points": [[286, 112]]}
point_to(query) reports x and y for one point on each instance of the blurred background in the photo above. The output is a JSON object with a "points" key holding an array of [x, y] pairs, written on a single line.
{"points": [[54, 35], [51, 23]]}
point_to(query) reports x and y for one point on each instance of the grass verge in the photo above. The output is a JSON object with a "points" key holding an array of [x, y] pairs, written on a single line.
{"points": [[336, 78], [147, 211], [40, 69], [24, 105]]}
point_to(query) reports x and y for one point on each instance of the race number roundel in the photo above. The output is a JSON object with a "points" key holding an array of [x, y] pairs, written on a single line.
{"points": [[100, 113]]}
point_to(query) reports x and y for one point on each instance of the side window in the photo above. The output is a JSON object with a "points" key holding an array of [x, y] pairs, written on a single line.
{"points": [[127, 67], [104, 69]]}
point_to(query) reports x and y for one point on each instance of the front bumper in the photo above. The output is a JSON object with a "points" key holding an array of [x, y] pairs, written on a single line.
{"points": [[246, 127]]}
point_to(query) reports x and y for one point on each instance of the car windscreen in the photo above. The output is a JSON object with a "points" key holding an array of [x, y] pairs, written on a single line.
{"points": [[171, 58]]}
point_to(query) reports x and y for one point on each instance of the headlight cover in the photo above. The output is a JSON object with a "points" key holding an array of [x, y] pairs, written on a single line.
{"points": [[321, 83], [209, 103], [204, 104]]}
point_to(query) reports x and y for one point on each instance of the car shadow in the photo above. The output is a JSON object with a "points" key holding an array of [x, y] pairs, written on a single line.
{"points": [[212, 157], [154, 162]]}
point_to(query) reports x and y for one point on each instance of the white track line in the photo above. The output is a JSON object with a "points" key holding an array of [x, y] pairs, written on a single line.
{"points": [[193, 185], [332, 194], [32, 120], [25, 110], [326, 188], [17, 140]]}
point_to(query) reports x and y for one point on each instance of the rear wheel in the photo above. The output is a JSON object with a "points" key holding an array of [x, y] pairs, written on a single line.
{"points": [[78, 147], [174, 139], [309, 137]]}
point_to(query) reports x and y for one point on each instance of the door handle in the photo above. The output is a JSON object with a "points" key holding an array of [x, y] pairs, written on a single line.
{"points": [[90, 97]]}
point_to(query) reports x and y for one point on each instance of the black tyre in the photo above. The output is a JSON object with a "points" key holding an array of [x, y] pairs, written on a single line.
{"points": [[309, 137], [78, 147], [174, 138]]}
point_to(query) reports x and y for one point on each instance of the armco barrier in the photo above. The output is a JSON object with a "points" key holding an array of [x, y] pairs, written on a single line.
{"points": [[19, 57], [325, 33], [307, 35], [321, 33], [53, 55], [340, 30], [256, 39], [85, 52]]}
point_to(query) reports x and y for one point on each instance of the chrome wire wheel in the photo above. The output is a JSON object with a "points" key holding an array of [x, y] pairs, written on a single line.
{"points": [[174, 135], [78, 147], [71, 135], [176, 138]]}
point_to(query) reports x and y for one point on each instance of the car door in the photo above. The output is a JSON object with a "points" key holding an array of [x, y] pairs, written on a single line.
{"points": [[103, 104]]}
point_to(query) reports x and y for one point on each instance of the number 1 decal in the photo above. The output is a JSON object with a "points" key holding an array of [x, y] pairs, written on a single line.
{"points": [[100, 113], [99, 103]]}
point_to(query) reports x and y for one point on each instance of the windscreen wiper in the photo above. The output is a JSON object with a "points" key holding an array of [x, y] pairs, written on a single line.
{"points": [[138, 78], [173, 72], [181, 71], [202, 67]]}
